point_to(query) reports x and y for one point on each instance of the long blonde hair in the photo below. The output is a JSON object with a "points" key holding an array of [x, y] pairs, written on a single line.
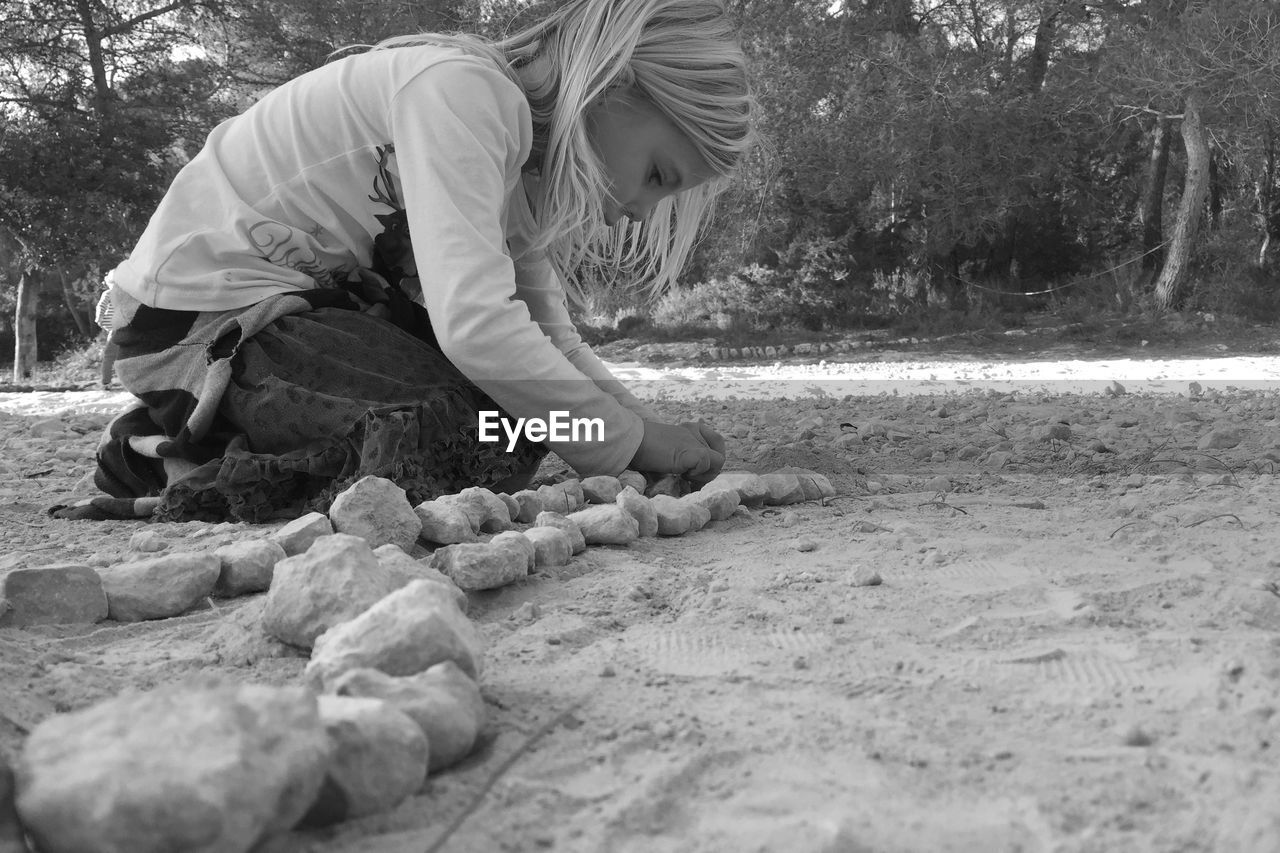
{"points": [[684, 56]]}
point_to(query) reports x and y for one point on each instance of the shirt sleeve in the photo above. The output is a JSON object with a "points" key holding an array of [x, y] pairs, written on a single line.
{"points": [[462, 132], [539, 286]]}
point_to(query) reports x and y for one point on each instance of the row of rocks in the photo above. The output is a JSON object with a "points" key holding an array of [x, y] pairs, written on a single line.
{"points": [[391, 688]]}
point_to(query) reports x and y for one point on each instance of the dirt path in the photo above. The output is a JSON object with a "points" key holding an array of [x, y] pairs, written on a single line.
{"points": [[1073, 645]]}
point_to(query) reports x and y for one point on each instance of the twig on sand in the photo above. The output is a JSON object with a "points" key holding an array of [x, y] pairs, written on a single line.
{"points": [[501, 770], [1212, 517], [942, 504], [1122, 527]]}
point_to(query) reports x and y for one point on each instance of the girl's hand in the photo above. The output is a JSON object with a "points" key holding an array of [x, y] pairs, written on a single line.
{"points": [[692, 450]]}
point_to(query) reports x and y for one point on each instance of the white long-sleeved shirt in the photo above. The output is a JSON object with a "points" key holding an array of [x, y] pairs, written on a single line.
{"points": [[290, 195]]}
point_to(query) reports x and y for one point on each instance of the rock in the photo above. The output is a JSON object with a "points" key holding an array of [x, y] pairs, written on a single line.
{"points": [[1220, 438], [816, 486], [563, 498], [443, 701], [516, 539], [336, 580], [863, 576], [376, 510], [513, 505], [750, 488], [674, 516], [406, 569], [551, 546], [601, 489], [379, 759], [247, 566], [159, 587], [782, 488], [445, 523], [555, 519], [699, 515], [497, 517], [804, 544], [147, 542], [483, 508], [481, 565], [296, 536], [634, 479], [637, 505], [64, 593], [606, 524], [409, 631], [719, 502], [200, 768], [530, 505], [940, 483]]}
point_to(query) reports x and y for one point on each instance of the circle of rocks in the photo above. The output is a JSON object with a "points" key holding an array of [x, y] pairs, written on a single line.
{"points": [[390, 693]]}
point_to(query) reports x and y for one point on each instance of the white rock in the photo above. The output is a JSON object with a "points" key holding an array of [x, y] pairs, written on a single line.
{"points": [[405, 569], [336, 580], [699, 515], [674, 516], [189, 767], [247, 566], [442, 700], [379, 759], [159, 587], [634, 479], [516, 539], [555, 519], [816, 486], [751, 491], [497, 517], [551, 546], [296, 536], [783, 488], [601, 489], [147, 542], [513, 506], [64, 593], [481, 565], [378, 511], [409, 631], [606, 524], [638, 507], [719, 502], [530, 505], [445, 522], [564, 498]]}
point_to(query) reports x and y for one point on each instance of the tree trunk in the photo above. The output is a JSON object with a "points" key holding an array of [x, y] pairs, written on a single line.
{"points": [[1171, 286], [78, 315], [1267, 194], [24, 328], [1151, 212], [1042, 47]]}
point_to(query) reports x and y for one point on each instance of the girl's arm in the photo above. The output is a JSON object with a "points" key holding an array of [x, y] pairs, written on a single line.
{"points": [[462, 131], [539, 285]]}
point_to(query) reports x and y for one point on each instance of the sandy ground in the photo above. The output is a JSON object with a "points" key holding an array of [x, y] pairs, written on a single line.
{"points": [[1073, 646]]}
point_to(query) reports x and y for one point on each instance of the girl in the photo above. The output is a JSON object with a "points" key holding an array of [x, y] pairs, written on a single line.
{"points": [[357, 268]]}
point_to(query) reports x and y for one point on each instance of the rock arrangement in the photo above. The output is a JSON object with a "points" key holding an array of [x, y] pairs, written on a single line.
{"points": [[390, 693]]}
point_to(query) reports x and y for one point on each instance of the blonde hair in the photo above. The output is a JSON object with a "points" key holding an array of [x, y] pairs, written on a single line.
{"points": [[683, 55]]}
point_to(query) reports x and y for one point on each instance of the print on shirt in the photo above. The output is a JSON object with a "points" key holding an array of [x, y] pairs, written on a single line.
{"points": [[281, 245], [392, 250]]}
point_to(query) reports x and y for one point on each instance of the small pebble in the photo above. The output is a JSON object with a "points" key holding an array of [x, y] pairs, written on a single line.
{"points": [[1135, 736], [607, 671], [805, 544], [789, 519], [863, 576]]}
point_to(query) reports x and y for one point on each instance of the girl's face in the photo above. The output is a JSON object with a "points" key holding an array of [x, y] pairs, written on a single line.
{"points": [[645, 156]]}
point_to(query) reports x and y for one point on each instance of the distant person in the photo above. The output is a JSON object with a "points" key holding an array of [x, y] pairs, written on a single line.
{"points": [[354, 269]]}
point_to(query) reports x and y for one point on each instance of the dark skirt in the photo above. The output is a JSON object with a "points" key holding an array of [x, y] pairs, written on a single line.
{"points": [[271, 411]]}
